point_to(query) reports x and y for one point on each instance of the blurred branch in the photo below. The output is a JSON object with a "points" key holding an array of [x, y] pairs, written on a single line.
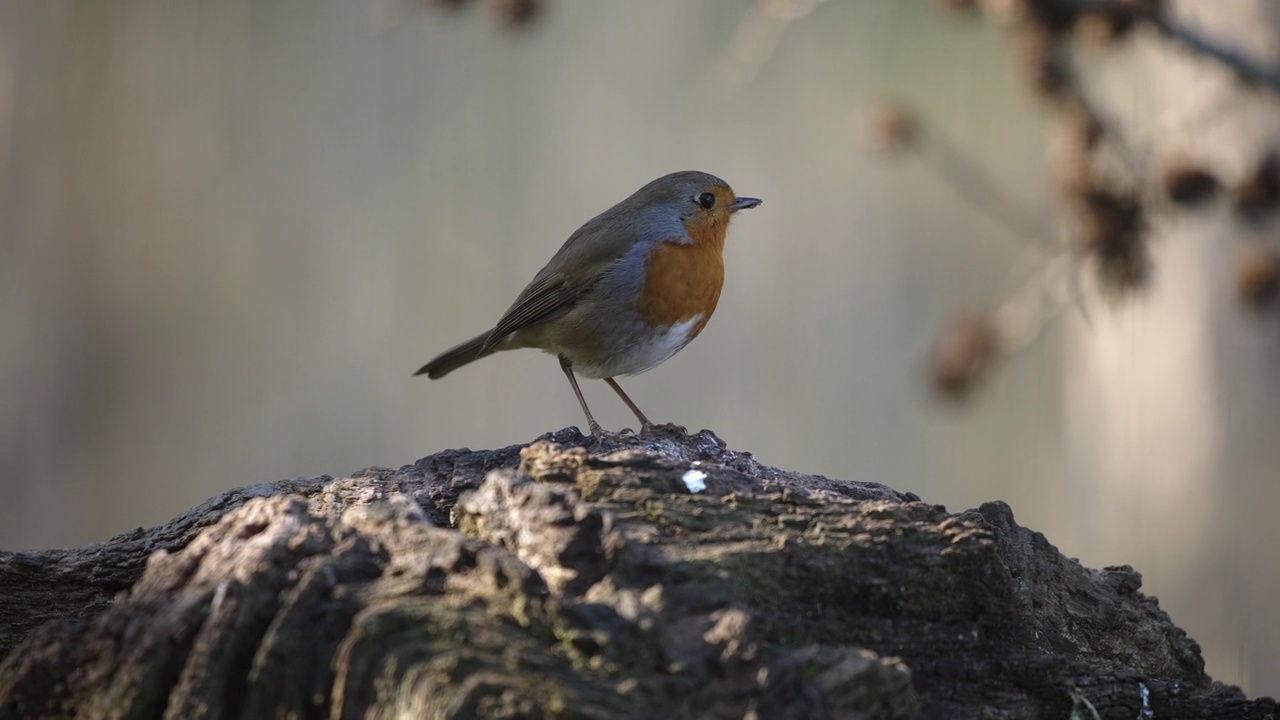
{"points": [[893, 129], [1108, 192], [1105, 184], [972, 344], [754, 42], [1241, 65], [969, 180], [1237, 62]]}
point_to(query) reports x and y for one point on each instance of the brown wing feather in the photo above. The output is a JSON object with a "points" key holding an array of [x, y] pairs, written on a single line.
{"points": [[582, 259], [543, 296]]}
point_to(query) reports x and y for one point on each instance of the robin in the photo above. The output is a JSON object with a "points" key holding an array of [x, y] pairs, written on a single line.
{"points": [[625, 292]]}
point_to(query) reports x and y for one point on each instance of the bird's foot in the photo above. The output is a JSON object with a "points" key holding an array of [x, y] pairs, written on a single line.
{"points": [[598, 433], [649, 428]]}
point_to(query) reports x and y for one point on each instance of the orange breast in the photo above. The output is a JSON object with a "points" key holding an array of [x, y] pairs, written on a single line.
{"points": [[682, 281]]}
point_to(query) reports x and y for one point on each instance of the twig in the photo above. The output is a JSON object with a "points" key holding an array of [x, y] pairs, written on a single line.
{"points": [[974, 185], [754, 42], [1244, 67]]}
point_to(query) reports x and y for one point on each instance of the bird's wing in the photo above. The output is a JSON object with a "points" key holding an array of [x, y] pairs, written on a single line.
{"points": [[583, 259], [543, 296]]}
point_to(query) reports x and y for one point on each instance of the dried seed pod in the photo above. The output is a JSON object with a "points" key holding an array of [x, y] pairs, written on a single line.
{"points": [[1106, 217], [1186, 183], [1074, 136], [1036, 52], [1111, 229], [1259, 193], [964, 354], [516, 14], [1257, 276], [1125, 266], [1049, 78], [1054, 16], [1104, 28], [891, 127]]}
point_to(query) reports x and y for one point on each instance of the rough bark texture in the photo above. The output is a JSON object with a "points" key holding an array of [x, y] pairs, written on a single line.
{"points": [[573, 579]]}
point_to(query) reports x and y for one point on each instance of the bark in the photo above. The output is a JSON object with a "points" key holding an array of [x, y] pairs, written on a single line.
{"points": [[575, 579]]}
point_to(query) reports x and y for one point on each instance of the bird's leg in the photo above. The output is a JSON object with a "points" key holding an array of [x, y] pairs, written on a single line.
{"points": [[645, 425], [596, 430]]}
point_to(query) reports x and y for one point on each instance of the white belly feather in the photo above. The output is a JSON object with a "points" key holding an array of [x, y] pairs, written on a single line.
{"points": [[647, 354]]}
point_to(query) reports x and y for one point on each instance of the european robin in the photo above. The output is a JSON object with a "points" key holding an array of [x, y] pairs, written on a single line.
{"points": [[625, 292]]}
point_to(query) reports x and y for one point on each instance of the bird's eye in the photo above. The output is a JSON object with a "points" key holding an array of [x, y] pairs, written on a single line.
{"points": [[707, 200]]}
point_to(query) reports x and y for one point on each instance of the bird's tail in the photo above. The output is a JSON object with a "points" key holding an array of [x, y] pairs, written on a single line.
{"points": [[455, 357]]}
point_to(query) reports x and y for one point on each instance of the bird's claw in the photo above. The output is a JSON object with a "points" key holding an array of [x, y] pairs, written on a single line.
{"points": [[663, 429], [598, 433]]}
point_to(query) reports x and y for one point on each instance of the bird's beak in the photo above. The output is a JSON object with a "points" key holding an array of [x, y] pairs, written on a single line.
{"points": [[743, 203]]}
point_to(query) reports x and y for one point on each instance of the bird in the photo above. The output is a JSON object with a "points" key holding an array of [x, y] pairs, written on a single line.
{"points": [[627, 290]]}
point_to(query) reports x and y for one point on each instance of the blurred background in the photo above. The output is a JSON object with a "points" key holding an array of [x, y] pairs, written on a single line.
{"points": [[229, 232]]}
